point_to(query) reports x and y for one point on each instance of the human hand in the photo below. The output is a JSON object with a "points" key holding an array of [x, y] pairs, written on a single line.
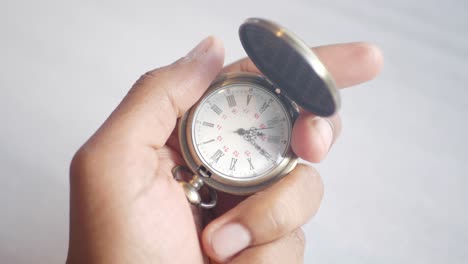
{"points": [[127, 208]]}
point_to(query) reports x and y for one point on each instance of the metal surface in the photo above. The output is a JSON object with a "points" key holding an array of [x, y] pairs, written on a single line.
{"points": [[192, 188], [219, 182], [289, 63]]}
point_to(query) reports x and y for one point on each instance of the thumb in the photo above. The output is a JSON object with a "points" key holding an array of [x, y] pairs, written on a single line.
{"points": [[149, 111]]}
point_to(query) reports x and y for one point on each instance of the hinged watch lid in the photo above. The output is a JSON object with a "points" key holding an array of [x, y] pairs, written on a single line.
{"points": [[291, 65]]}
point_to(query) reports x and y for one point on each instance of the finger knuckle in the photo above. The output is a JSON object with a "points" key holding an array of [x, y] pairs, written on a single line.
{"points": [[82, 160], [155, 73], [149, 79], [144, 79], [297, 243], [299, 238], [279, 218], [95, 154], [311, 181]]}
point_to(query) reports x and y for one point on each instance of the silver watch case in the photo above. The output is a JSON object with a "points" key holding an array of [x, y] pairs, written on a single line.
{"points": [[218, 182]]}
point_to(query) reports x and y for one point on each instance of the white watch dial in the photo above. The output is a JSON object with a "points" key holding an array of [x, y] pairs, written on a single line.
{"points": [[241, 131]]}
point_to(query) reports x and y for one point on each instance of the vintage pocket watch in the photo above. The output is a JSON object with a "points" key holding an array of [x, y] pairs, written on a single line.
{"points": [[237, 138]]}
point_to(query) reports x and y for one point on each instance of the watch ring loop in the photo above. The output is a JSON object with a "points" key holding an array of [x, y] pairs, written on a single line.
{"points": [[212, 202], [192, 187]]}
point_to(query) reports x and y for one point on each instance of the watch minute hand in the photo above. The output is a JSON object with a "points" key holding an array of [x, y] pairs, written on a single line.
{"points": [[264, 128], [260, 149]]}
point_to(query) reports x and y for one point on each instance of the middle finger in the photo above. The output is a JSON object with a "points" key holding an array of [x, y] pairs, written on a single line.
{"points": [[266, 215]]}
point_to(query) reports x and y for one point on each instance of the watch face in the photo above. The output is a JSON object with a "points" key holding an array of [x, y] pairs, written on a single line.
{"points": [[241, 131]]}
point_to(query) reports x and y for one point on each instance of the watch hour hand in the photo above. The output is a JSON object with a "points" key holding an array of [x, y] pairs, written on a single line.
{"points": [[252, 131], [241, 131]]}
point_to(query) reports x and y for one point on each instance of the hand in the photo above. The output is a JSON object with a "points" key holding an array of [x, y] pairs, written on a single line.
{"points": [[127, 208]]}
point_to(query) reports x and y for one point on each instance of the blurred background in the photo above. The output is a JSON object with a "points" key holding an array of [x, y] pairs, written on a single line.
{"points": [[395, 190]]}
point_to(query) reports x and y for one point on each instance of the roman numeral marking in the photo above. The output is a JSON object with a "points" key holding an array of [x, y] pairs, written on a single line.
{"points": [[231, 100], [249, 159], [274, 139], [263, 108], [216, 109], [208, 124], [218, 154], [274, 121], [233, 164], [249, 97]]}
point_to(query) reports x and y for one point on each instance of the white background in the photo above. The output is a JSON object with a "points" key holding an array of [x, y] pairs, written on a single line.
{"points": [[395, 181]]}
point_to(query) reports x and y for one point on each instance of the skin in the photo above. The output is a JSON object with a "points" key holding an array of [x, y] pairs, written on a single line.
{"points": [[127, 208]]}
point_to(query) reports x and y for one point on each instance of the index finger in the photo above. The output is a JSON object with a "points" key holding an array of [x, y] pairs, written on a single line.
{"points": [[348, 63]]}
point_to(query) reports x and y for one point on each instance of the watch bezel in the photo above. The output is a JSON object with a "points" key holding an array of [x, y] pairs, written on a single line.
{"points": [[219, 182]]}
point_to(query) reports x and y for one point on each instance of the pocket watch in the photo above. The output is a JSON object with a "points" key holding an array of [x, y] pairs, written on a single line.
{"points": [[237, 137]]}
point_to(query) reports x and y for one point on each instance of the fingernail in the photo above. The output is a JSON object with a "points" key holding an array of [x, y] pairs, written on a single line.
{"points": [[229, 240], [202, 48], [324, 127]]}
